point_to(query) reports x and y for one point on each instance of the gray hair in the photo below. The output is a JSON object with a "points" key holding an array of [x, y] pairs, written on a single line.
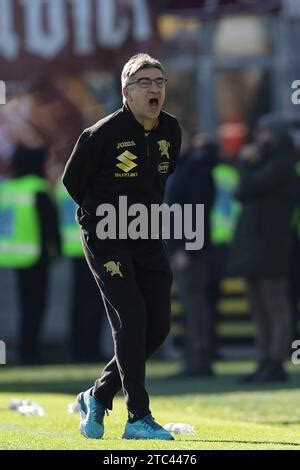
{"points": [[136, 63]]}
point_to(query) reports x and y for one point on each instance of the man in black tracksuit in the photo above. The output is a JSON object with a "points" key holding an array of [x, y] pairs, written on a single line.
{"points": [[129, 153]]}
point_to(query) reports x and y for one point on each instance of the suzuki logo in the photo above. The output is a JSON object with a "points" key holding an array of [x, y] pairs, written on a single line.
{"points": [[126, 161]]}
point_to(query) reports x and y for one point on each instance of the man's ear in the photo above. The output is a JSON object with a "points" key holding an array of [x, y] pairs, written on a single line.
{"points": [[125, 92]]}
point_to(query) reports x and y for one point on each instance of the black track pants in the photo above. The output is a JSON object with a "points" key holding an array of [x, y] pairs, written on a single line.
{"points": [[135, 283]]}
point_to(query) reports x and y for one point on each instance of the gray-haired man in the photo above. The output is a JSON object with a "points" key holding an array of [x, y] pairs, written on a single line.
{"points": [[129, 153]]}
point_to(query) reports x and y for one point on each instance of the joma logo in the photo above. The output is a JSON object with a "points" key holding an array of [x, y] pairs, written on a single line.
{"points": [[123, 145]]}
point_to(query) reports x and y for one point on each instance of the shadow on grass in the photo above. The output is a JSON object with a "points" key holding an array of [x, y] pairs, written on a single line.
{"points": [[233, 441], [40, 380], [223, 383]]}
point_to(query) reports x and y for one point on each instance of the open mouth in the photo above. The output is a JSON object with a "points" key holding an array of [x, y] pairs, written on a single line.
{"points": [[153, 103]]}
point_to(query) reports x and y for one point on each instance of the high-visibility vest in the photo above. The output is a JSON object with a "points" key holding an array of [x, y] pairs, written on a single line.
{"points": [[296, 214], [69, 228], [20, 237], [226, 209]]}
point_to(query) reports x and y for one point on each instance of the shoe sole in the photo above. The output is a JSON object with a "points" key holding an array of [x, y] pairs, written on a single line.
{"points": [[79, 401], [147, 438]]}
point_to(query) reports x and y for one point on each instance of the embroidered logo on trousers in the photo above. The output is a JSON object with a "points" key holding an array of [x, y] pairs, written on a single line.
{"points": [[113, 268]]}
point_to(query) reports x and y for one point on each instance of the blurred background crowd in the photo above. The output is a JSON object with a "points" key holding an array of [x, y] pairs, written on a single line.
{"points": [[230, 66]]}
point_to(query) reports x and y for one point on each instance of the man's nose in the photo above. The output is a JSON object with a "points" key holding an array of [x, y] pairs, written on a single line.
{"points": [[154, 86]]}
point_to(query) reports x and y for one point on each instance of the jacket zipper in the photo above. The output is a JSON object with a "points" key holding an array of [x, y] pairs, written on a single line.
{"points": [[147, 146], [147, 162]]}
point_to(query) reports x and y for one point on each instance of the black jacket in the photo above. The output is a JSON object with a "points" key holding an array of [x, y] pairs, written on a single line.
{"points": [[192, 183], [116, 157], [262, 240]]}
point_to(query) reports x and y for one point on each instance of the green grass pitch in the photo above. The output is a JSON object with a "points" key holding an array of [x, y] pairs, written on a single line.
{"points": [[226, 415]]}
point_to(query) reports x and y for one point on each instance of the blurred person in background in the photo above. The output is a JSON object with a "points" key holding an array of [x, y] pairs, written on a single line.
{"points": [[7, 145], [295, 250], [131, 152], [192, 183], [224, 216], [46, 118], [295, 270], [84, 308], [261, 249], [56, 119], [29, 240]]}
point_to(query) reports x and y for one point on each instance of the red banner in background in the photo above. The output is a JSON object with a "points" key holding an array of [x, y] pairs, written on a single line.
{"points": [[213, 8], [46, 37]]}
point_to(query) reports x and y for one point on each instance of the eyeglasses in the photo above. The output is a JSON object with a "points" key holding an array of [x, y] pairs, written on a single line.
{"points": [[145, 82]]}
